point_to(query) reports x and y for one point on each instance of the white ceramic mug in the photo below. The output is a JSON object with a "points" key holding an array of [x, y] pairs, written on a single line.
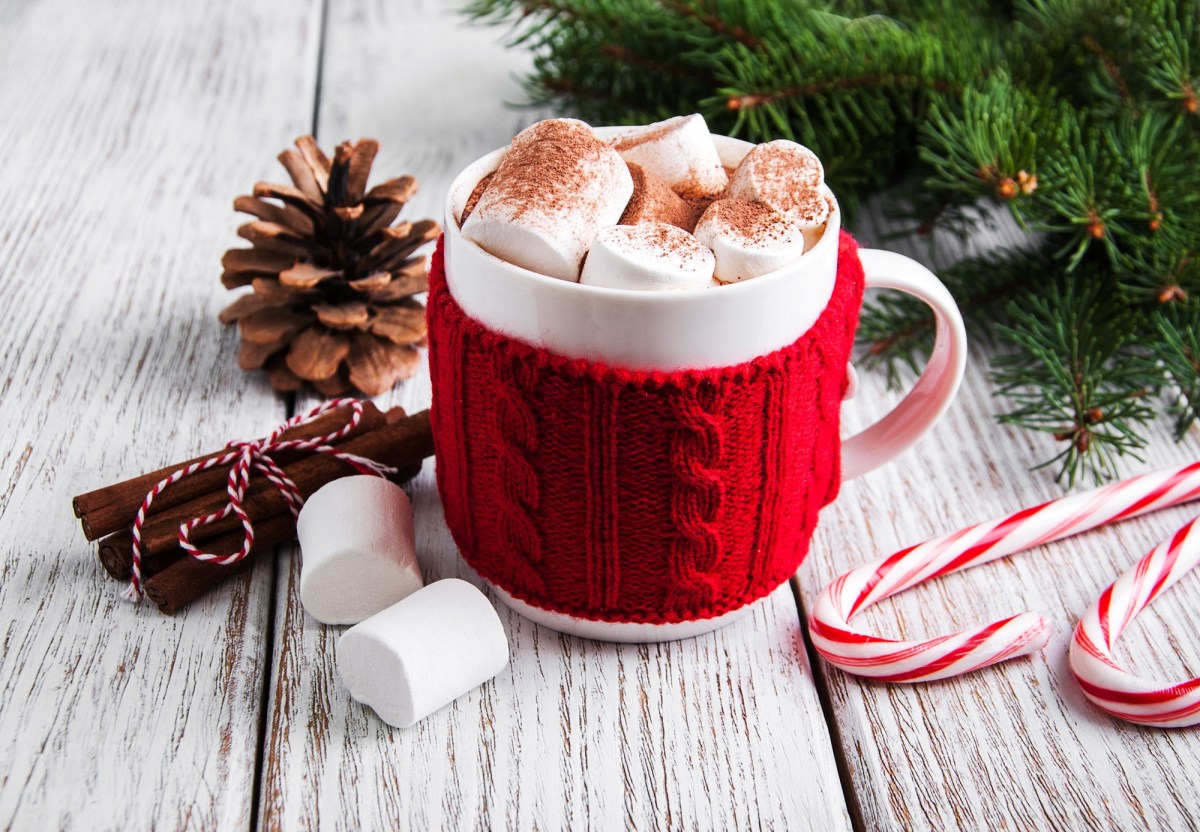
{"points": [[709, 327], [691, 330]]}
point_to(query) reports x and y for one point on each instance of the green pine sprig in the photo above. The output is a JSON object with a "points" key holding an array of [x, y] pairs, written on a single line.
{"points": [[1069, 375], [1178, 356]]}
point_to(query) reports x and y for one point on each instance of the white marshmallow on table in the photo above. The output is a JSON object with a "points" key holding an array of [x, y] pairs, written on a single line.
{"points": [[357, 550], [680, 151], [749, 238], [424, 652], [555, 187], [648, 256]]}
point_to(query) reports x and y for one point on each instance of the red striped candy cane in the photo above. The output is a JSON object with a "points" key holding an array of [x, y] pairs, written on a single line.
{"points": [[247, 457], [864, 654], [1104, 681]]}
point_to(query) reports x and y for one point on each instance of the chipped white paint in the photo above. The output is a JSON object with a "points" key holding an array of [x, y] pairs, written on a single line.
{"points": [[126, 130]]}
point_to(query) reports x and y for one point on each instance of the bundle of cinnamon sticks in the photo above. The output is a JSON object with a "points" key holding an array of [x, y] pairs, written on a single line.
{"points": [[172, 578]]}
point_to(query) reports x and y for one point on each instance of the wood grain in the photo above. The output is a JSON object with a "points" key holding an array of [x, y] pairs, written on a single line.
{"points": [[127, 130], [718, 732], [1017, 746]]}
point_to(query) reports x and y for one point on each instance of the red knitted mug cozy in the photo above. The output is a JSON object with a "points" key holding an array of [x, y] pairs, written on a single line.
{"points": [[629, 496]]}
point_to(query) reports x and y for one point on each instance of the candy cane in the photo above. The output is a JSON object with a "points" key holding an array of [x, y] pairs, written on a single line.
{"points": [[1106, 683], [863, 654]]}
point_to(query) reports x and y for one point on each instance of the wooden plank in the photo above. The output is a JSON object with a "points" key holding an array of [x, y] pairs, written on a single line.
{"points": [[127, 130], [1017, 746], [724, 731]]}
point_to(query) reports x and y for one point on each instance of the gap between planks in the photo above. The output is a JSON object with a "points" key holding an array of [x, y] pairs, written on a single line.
{"points": [[821, 680], [290, 403]]}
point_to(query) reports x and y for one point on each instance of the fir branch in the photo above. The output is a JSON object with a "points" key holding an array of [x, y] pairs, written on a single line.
{"points": [[1071, 376], [553, 88], [713, 22], [1166, 53], [980, 145], [1110, 67], [619, 53], [759, 99], [1162, 278], [1080, 116], [1179, 355], [1077, 205]]}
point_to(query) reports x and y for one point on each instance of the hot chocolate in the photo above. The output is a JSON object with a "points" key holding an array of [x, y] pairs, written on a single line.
{"points": [[565, 202]]}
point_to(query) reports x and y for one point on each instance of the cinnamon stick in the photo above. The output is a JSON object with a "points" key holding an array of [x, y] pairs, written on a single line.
{"points": [[398, 445], [107, 510], [116, 556], [402, 443], [161, 550], [186, 579]]}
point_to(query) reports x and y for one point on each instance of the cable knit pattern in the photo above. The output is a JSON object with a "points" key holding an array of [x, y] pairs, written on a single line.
{"points": [[697, 449], [636, 496], [516, 425]]}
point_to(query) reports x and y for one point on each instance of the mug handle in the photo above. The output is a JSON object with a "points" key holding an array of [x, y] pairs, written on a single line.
{"points": [[935, 389]]}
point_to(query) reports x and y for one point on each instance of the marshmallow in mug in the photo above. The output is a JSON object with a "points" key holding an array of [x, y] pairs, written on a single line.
{"points": [[555, 187], [788, 177], [782, 174], [424, 652], [648, 256], [679, 151], [749, 239], [357, 550]]}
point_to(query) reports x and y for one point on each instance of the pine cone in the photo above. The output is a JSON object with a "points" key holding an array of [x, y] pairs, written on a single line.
{"points": [[333, 278]]}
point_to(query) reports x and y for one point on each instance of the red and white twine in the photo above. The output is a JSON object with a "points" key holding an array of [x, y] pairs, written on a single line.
{"points": [[244, 458], [1111, 687], [888, 660]]}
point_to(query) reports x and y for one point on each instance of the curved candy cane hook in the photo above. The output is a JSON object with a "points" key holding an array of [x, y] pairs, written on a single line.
{"points": [[1111, 687], [864, 654]]}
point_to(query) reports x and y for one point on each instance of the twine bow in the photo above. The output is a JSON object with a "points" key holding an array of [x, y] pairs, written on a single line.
{"points": [[246, 457]]}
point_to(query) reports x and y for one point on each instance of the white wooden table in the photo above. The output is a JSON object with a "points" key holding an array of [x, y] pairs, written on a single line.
{"points": [[126, 128]]}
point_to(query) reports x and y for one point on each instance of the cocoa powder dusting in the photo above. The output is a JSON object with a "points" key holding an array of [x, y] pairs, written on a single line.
{"points": [[625, 141], [700, 200], [807, 203], [699, 204], [654, 201], [473, 199], [544, 167], [665, 240], [754, 221], [694, 191], [785, 161], [790, 173]]}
